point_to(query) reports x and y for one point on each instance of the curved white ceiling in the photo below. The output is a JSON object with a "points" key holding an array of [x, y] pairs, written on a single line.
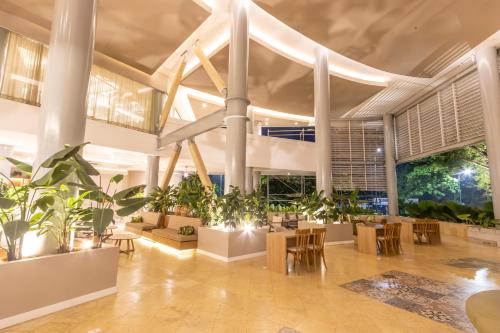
{"points": [[282, 39]]}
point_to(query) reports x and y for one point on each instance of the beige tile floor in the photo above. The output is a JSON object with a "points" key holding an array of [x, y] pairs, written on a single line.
{"points": [[162, 292]]}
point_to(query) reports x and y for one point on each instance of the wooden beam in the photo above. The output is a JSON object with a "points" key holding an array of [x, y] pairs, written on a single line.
{"points": [[172, 92], [210, 69], [199, 164], [200, 126], [174, 157]]}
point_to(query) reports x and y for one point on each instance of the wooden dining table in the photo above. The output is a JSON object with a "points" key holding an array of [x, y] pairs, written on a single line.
{"points": [[276, 256], [367, 237]]}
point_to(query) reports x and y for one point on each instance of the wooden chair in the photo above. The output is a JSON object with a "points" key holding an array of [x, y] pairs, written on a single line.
{"points": [[396, 238], [432, 231], [419, 228], [318, 245], [301, 248], [385, 242]]}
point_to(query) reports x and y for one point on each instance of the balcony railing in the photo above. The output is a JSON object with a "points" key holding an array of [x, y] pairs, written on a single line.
{"points": [[292, 133]]}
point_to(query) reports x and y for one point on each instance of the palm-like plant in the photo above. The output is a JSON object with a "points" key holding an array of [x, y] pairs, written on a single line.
{"points": [[255, 208], [231, 207], [163, 200]]}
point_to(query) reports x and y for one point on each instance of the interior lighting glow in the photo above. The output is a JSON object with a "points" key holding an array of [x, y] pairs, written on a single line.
{"points": [[357, 75], [266, 38], [129, 114]]}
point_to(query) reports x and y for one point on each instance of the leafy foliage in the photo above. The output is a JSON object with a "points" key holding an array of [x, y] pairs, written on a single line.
{"points": [[50, 205], [452, 212]]}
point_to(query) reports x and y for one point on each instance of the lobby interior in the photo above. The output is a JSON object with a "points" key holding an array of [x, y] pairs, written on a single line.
{"points": [[238, 166]]}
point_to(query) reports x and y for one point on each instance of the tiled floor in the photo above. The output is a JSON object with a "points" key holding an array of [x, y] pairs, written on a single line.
{"points": [[436, 300], [474, 263], [162, 292]]}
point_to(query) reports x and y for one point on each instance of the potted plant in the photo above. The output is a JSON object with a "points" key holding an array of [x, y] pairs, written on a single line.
{"points": [[163, 200]]}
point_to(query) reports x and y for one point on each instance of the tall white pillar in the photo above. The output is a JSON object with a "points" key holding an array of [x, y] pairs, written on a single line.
{"points": [[322, 122], [390, 165], [152, 171], [237, 100], [64, 114], [256, 180], [490, 96]]}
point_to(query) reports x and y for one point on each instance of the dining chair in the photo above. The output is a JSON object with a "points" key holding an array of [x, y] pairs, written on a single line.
{"points": [[396, 238], [432, 231], [318, 245], [419, 228], [385, 242], [301, 248]]}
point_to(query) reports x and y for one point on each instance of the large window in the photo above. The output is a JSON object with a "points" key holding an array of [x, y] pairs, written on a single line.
{"points": [[111, 97]]}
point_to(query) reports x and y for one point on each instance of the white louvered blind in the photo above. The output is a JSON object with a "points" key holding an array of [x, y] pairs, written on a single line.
{"points": [[358, 155], [450, 117]]}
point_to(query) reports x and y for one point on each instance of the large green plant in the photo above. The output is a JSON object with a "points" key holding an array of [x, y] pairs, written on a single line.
{"points": [[452, 212], [231, 207], [255, 208], [66, 212], [19, 206], [312, 205], [106, 202], [189, 192], [163, 200]]}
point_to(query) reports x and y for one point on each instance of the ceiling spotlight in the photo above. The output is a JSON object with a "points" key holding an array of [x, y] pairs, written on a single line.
{"points": [[379, 150], [204, 105], [186, 174], [266, 119], [296, 123]]}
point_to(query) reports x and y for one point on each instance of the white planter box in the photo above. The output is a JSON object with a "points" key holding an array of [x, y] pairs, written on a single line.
{"points": [[487, 236], [38, 286], [232, 245], [336, 233]]}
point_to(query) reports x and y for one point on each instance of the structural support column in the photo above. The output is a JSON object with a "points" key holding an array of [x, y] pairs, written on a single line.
{"points": [[256, 180], [200, 165], [490, 96], [152, 170], [237, 101], [322, 122], [390, 165], [174, 157], [64, 112]]}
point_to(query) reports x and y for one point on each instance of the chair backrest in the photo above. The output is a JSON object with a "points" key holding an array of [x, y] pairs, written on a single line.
{"points": [[302, 238], [175, 222], [389, 229], [397, 230], [319, 235]]}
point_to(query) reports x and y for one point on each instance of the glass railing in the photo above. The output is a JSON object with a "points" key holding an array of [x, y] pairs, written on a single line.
{"points": [[111, 97]]}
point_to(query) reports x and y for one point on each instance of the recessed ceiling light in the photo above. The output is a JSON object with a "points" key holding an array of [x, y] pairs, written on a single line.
{"points": [[204, 105], [266, 119], [296, 123]]}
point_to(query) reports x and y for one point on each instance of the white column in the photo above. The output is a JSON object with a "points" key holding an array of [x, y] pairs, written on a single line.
{"points": [[322, 122], [152, 171], [237, 101], [390, 165], [64, 114], [5, 166], [256, 180], [490, 96]]}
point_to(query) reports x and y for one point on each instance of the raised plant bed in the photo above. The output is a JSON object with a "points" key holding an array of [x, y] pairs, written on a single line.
{"points": [[454, 229], [486, 236], [336, 233], [38, 286], [232, 245]]}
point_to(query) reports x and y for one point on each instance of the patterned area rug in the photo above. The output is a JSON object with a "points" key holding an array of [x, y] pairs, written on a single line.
{"points": [[436, 300], [474, 263]]}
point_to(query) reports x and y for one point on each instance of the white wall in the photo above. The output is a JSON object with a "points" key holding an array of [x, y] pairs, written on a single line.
{"points": [[262, 152]]}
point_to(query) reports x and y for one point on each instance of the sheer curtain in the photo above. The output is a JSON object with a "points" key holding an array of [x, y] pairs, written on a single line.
{"points": [[117, 99], [23, 69], [111, 97]]}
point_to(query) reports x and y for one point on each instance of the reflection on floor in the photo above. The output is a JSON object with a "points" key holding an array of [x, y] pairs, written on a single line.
{"points": [[432, 299], [475, 263], [160, 291]]}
